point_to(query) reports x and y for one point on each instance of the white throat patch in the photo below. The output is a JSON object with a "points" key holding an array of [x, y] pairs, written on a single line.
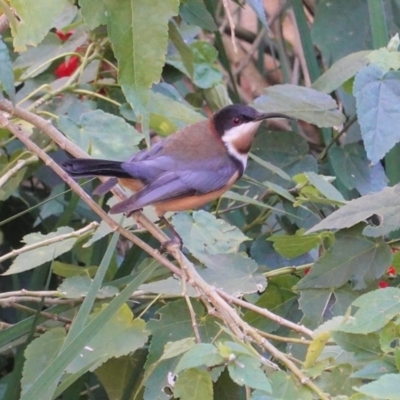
{"points": [[235, 134]]}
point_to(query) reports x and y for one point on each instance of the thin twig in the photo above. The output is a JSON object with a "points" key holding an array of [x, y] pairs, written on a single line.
{"points": [[17, 167], [76, 234], [268, 314]]}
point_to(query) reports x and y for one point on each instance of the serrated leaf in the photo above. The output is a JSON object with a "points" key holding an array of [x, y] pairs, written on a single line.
{"points": [[351, 257], [302, 103], [285, 387], [95, 133], [292, 246], [36, 257], [121, 335], [194, 12], [38, 355], [34, 24], [376, 309], [341, 71], [194, 384], [174, 324], [77, 287], [174, 349], [376, 94], [94, 12], [386, 387], [385, 204], [6, 70], [203, 233], [200, 354], [246, 370], [140, 51]]}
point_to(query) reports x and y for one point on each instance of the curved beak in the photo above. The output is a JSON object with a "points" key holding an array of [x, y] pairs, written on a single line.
{"points": [[263, 116]]}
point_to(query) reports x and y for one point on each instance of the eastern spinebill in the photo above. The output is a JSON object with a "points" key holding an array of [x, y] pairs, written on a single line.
{"points": [[187, 169]]}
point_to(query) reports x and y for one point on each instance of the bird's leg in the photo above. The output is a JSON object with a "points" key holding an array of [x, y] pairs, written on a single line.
{"points": [[176, 239]]}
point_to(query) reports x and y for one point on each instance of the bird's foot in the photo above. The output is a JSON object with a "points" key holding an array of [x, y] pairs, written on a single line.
{"points": [[176, 241]]}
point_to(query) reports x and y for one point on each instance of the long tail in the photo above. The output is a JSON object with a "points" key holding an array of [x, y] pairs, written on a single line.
{"points": [[80, 167]]}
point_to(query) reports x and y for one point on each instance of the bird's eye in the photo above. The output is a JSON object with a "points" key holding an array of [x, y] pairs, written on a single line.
{"points": [[236, 121]]}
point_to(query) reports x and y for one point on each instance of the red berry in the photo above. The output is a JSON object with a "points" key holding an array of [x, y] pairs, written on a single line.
{"points": [[68, 67], [64, 36], [391, 271], [307, 270], [382, 284]]}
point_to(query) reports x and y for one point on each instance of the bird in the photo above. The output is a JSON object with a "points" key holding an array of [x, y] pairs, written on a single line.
{"points": [[184, 171]]}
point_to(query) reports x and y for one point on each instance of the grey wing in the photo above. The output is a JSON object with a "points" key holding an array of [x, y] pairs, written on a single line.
{"points": [[175, 184]]}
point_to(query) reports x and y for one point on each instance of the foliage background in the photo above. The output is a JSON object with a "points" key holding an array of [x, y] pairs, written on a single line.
{"points": [[288, 285]]}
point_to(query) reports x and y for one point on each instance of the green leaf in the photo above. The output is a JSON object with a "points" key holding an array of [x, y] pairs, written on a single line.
{"points": [[390, 334], [121, 335], [351, 257], [339, 381], [234, 273], [324, 187], [246, 370], [376, 93], [194, 12], [273, 168], [182, 48], [286, 387], [94, 12], [202, 233], [116, 373], [386, 387], [248, 200], [200, 354], [170, 286], [278, 298], [50, 375], [194, 384], [292, 246], [39, 355], [206, 74], [174, 349], [140, 51], [37, 59], [68, 270], [302, 103], [34, 23], [375, 369], [95, 133], [384, 204], [286, 150], [351, 165], [77, 287], [376, 309], [38, 256], [385, 59], [174, 324], [6, 70], [341, 71]]}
